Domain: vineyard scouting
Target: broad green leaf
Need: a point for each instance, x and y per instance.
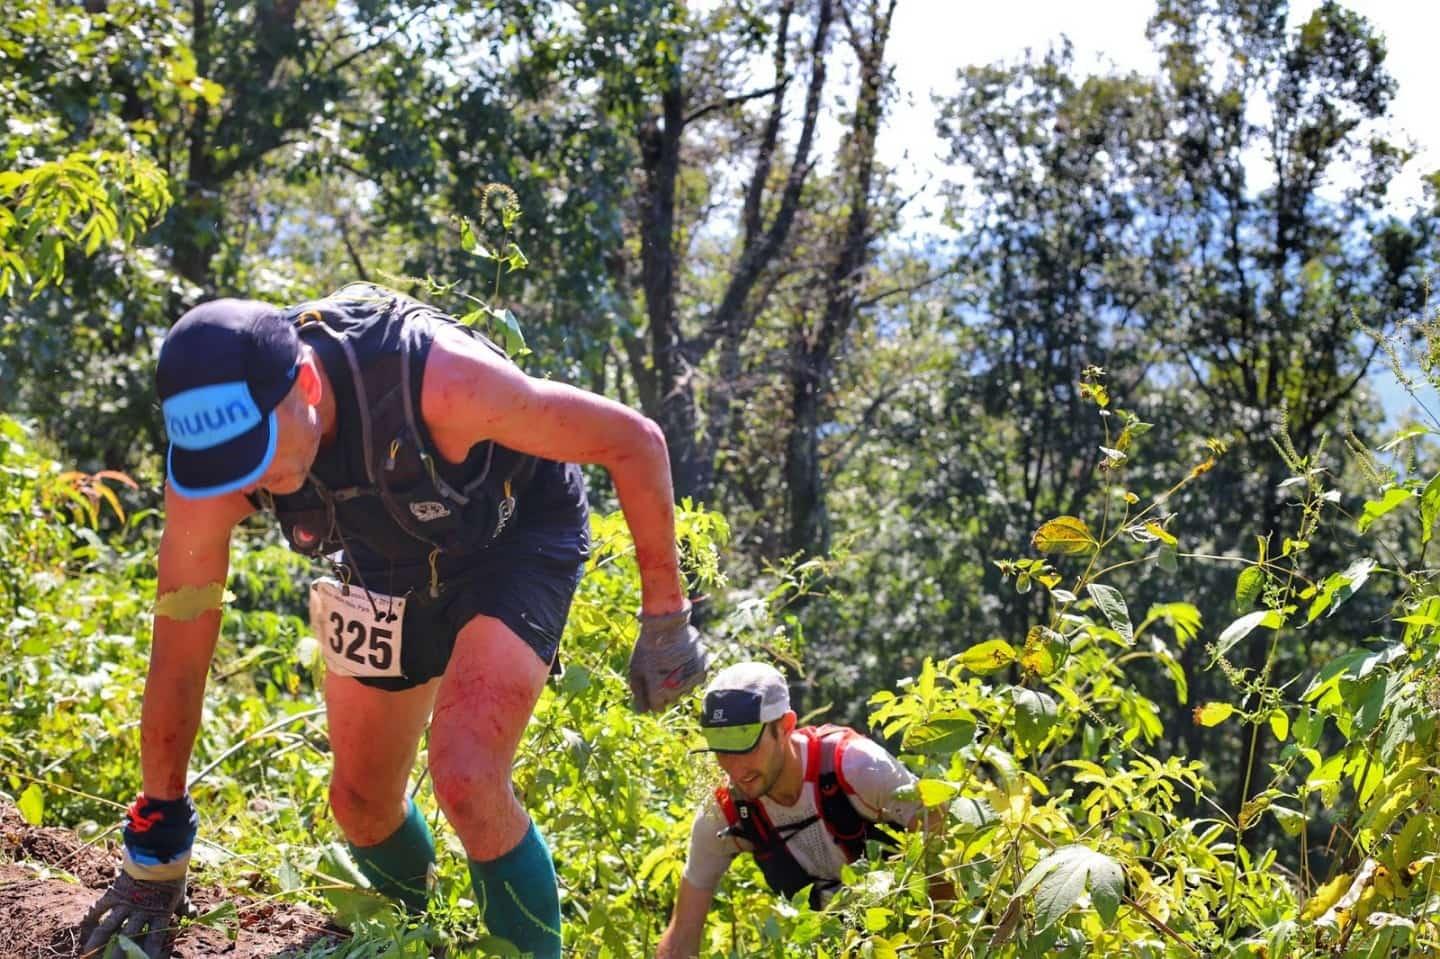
(1061, 878)
(1112, 604)
(973, 813)
(510, 329)
(32, 804)
(1067, 535)
(1374, 509)
(1184, 618)
(1213, 714)
(934, 792)
(1280, 724)
(941, 734)
(1429, 509)
(1244, 626)
(1338, 587)
(988, 656)
(1247, 587)
(1034, 716)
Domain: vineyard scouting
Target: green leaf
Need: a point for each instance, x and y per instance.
(1247, 587)
(1429, 509)
(129, 949)
(1338, 587)
(1061, 878)
(1067, 535)
(1035, 714)
(510, 330)
(1112, 604)
(973, 813)
(1374, 509)
(1244, 626)
(942, 734)
(1184, 618)
(1280, 724)
(988, 656)
(1213, 714)
(934, 792)
(32, 804)
(471, 244)
(494, 946)
(218, 916)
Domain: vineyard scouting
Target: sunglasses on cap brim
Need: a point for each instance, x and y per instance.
(740, 738)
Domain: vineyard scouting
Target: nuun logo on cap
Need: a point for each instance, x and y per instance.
(208, 416)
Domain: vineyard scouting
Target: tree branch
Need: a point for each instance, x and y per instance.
(735, 100)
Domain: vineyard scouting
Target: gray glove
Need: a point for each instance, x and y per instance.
(669, 659)
(136, 908)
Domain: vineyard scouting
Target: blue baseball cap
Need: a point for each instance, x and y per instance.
(223, 369)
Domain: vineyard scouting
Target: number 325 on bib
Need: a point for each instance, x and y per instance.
(355, 640)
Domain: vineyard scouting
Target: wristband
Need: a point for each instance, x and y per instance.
(159, 834)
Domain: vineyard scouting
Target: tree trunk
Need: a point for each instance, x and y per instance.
(813, 351)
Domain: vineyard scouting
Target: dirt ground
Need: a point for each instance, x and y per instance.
(39, 916)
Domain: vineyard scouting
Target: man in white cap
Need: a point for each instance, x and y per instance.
(803, 801)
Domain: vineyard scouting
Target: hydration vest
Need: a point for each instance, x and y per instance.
(380, 492)
(825, 749)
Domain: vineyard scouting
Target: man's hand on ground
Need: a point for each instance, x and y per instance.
(669, 660)
(143, 910)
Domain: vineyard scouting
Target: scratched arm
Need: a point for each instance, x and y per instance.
(469, 395)
(194, 561)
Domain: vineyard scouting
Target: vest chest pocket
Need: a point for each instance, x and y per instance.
(360, 636)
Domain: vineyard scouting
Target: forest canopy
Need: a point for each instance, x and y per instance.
(1081, 496)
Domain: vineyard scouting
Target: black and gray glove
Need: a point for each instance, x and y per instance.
(144, 910)
(669, 659)
(144, 900)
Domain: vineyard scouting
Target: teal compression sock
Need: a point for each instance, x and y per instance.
(400, 866)
(519, 898)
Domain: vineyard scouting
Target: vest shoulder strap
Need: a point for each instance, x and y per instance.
(825, 769)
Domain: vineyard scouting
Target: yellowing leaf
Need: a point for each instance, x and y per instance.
(1161, 533)
(933, 792)
(32, 804)
(191, 602)
(1213, 714)
(1325, 897)
(1280, 724)
(1067, 535)
(988, 656)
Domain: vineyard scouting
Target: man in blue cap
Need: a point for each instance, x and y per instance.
(439, 481)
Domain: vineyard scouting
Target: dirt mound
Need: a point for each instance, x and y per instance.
(40, 909)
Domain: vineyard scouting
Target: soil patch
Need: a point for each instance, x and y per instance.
(49, 878)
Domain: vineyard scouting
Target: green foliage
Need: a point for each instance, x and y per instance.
(79, 203)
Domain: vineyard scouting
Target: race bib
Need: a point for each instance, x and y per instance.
(355, 640)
